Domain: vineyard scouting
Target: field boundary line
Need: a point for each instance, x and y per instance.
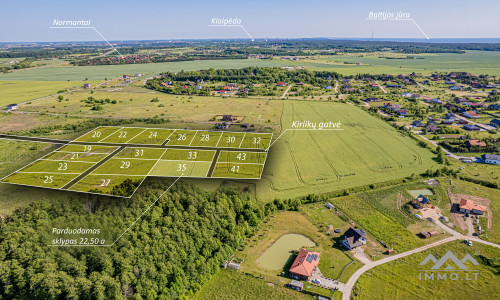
(136, 136)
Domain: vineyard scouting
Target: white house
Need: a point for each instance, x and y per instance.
(491, 159)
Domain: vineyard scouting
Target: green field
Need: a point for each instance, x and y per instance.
(181, 138)
(231, 140)
(142, 153)
(22, 91)
(76, 156)
(123, 135)
(87, 149)
(54, 166)
(206, 139)
(189, 155)
(256, 141)
(231, 285)
(109, 71)
(53, 181)
(152, 136)
(366, 151)
(125, 166)
(239, 156)
(173, 168)
(174, 107)
(237, 170)
(98, 134)
(103, 184)
(400, 279)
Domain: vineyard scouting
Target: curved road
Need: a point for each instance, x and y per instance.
(349, 285)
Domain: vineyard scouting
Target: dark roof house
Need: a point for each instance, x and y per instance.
(354, 238)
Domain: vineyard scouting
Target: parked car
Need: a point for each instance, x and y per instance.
(317, 281)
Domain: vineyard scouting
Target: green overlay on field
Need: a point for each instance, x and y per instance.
(115, 161)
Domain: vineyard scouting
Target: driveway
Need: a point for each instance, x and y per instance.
(326, 282)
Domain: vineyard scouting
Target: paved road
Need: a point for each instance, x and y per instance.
(381, 87)
(347, 288)
(286, 91)
(423, 86)
(448, 153)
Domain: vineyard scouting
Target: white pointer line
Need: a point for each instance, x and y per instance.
(396, 19)
(302, 129)
(130, 224)
(234, 26)
(80, 27)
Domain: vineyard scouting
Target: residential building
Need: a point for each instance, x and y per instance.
(491, 159)
(354, 238)
(469, 207)
(304, 264)
(475, 143)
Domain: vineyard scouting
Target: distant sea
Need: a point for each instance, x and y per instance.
(423, 40)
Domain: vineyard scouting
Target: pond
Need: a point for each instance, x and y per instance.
(276, 256)
(425, 192)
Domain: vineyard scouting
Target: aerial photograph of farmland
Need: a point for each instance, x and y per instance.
(235, 150)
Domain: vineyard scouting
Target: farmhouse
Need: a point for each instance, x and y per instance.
(470, 127)
(468, 207)
(421, 201)
(495, 123)
(403, 112)
(432, 128)
(304, 264)
(354, 238)
(228, 118)
(417, 123)
(491, 159)
(475, 143)
(471, 114)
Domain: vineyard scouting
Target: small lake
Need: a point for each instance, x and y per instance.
(278, 254)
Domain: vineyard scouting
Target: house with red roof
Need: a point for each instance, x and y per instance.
(468, 207)
(304, 264)
(475, 143)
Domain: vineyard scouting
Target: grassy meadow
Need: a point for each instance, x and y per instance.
(399, 279)
(12, 91)
(366, 151)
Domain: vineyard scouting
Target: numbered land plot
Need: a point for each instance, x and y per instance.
(125, 166)
(237, 170)
(231, 140)
(256, 141)
(176, 168)
(141, 153)
(53, 181)
(181, 138)
(189, 155)
(242, 157)
(123, 135)
(206, 139)
(116, 185)
(57, 167)
(96, 149)
(152, 136)
(76, 156)
(98, 134)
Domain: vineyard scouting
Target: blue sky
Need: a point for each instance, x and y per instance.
(29, 20)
